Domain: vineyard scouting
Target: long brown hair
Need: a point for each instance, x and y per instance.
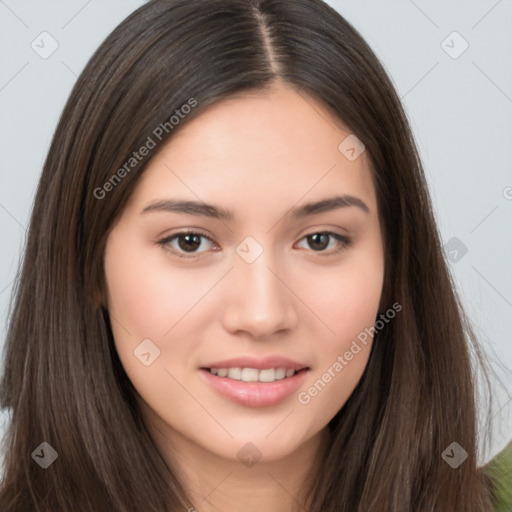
(63, 382)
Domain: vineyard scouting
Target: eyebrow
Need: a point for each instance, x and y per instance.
(217, 212)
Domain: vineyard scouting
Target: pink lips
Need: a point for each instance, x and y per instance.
(255, 394)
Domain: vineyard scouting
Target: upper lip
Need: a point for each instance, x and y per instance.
(259, 363)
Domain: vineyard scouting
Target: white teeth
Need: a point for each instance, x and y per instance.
(235, 373)
(267, 375)
(249, 375)
(280, 372)
(254, 375)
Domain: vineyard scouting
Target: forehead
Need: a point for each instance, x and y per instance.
(258, 147)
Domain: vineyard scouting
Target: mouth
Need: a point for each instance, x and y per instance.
(270, 383)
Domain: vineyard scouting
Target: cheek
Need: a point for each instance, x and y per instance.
(147, 297)
(148, 301)
(347, 303)
(346, 299)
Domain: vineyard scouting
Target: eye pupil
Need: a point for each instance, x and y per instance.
(189, 237)
(319, 240)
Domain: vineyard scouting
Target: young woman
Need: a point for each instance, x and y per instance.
(234, 295)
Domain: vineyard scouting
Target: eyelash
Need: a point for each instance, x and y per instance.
(343, 240)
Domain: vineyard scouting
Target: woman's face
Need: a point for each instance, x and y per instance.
(272, 285)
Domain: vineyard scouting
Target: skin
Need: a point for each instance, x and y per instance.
(259, 155)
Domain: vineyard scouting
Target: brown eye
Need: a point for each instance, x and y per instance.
(188, 242)
(320, 241)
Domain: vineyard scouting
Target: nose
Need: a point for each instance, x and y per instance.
(260, 300)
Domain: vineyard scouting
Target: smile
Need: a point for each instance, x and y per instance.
(255, 392)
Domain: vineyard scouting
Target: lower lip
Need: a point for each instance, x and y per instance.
(255, 394)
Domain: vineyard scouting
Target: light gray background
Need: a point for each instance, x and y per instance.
(460, 110)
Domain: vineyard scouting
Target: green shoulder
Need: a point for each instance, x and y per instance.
(499, 470)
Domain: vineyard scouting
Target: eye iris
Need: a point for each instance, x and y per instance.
(318, 240)
(194, 240)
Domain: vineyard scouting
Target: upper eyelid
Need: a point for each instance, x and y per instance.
(195, 231)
